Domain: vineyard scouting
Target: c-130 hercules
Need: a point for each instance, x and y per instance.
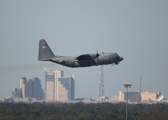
(84, 60)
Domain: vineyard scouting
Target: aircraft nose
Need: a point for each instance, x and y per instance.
(121, 58)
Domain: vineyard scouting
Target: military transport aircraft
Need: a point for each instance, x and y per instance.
(84, 60)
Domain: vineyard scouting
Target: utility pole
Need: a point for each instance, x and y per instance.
(127, 86)
(140, 88)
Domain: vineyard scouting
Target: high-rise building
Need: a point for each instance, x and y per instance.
(31, 88)
(37, 89)
(23, 81)
(49, 85)
(57, 87)
(66, 88)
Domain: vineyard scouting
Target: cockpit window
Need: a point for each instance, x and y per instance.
(115, 55)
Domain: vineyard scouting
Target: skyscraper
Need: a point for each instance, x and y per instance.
(57, 87)
(49, 85)
(31, 88)
(22, 86)
(66, 88)
(37, 89)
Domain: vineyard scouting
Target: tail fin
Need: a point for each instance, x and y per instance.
(45, 53)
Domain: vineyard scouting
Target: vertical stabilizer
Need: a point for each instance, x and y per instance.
(45, 53)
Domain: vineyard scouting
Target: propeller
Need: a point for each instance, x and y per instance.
(97, 54)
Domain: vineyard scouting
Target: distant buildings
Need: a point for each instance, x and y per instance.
(57, 87)
(143, 97)
(17, 93)
(62, 89)
(29, 88)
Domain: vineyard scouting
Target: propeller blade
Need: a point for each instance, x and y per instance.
(97, 53)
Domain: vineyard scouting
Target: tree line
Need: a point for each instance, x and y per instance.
(81, 111)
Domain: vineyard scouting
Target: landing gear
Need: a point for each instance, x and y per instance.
(116, 63)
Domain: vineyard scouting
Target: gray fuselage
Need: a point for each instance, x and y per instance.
(102, 59)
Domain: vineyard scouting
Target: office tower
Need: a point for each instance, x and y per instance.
(57, 87)
(24, 88)
(31, 88)
(66, 88)
(37, 89)
(49, 85)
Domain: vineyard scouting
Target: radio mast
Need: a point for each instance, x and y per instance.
(101, 85)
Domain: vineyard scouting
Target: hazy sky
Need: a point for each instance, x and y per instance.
(136, 30)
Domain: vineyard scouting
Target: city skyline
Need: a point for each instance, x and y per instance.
(55, 76)
(136, 30)
(57, 87)
(62, 88)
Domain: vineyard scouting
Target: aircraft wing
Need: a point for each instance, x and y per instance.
(85, 57)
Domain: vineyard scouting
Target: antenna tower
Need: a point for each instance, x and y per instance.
(101, 86)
